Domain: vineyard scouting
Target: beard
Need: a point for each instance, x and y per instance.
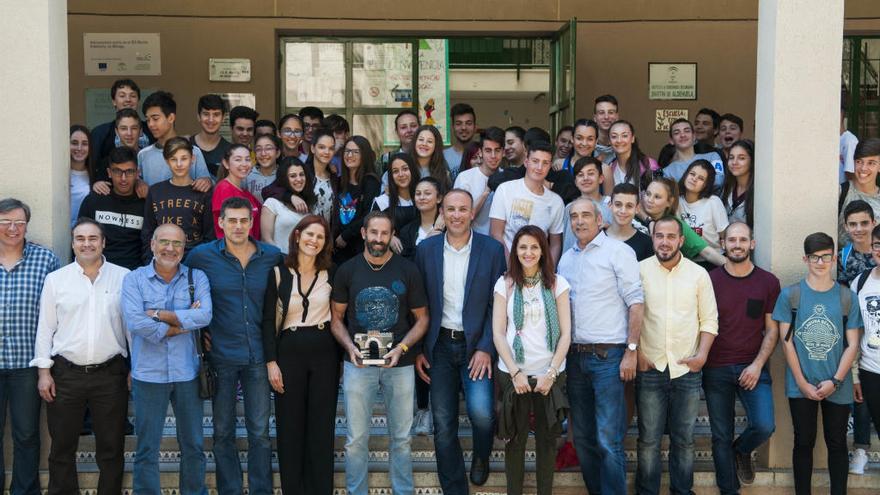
(739, 258)
(667, 257)
(377, 249)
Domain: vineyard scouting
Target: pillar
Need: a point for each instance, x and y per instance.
(35, 124)
(797, 133)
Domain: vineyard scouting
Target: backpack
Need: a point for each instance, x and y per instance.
(794, 298)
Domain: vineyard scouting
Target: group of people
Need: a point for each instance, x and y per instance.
(541, 278)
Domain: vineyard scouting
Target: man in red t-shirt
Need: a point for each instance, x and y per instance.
(736, 366)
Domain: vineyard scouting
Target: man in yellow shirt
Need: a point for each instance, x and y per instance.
(681, 321)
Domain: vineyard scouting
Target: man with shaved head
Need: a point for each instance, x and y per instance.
(164, 305)
(607, 306)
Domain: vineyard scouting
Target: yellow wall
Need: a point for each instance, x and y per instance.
(616, 41)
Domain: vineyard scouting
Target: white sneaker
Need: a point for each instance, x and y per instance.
(423, 423)
(858, 461)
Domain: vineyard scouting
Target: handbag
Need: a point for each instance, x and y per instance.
(207, 375)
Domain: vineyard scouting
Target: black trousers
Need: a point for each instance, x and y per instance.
(804, 413)
(871, 392)
(105, 392)
(305, 414)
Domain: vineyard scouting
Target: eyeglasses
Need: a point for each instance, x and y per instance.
(5, 224)
(267, 149)
(875, 246)
(131, 172)
(824, 258)
(351, 152)
(169, 242)
(291, 132)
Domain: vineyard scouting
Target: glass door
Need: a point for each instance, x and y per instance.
(562, 76)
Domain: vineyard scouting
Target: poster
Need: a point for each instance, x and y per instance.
(229, 69)
(122, 54)
(315, 74)
(99, 107)
(433, 91)
(664, 117)
(672, 81)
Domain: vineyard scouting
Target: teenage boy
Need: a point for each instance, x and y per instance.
(587, 178)
(855, 257)
(514, 148)
(605, 113)
(737, 364)
(476, 180)
(464, 126)
(128, 130)
(528, 201)
(211, 109)
(864, 185)
(819, 329)
(624, 205)
(120, 212)
(730, 131)
(263, 126)
(161, 111)
(867, 387)
(313, 119)
(124, 93)
(405, 124)
(706, 126)
(681, 136)
(341, 132)
(243, 123)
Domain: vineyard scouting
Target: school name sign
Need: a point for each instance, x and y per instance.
(672, 81)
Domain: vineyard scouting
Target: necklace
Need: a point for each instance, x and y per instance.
(373, 267)
(532, 281)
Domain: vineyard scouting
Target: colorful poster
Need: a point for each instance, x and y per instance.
(433, 91)
(122, 54)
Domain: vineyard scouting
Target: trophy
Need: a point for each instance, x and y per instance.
(373, 345)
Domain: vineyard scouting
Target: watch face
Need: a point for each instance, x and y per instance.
(632, 347)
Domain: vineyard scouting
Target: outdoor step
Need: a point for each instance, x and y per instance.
(567, 483)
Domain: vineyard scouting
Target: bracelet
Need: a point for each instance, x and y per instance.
(514, 375)
(403, 347)
(554, 371)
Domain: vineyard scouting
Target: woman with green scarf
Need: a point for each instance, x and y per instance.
(531, 326)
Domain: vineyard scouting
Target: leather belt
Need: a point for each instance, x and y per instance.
(89, 368)
(452, 334)
(319, 326)
(600, 350)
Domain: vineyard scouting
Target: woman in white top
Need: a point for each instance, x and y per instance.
(630, 164)
(302, 359)
(698, 207)
(80, 170)
(531, 327)
(280, 215)
(738, 192)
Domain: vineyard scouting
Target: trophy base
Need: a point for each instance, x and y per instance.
(372, 362)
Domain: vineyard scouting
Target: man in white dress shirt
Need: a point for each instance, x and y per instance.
(80, 352)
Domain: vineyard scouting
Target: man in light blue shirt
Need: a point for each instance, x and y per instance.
(607, 304)
(681, 135)
(163, 316)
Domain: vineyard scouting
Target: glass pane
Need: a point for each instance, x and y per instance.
(565, 75)
(370, 127)
(382, 74)
(314, 74)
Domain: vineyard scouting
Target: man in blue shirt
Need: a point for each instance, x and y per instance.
(164, 317)
(238, 268)
(24, 268)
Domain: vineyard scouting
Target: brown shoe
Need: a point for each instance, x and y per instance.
(745, 468)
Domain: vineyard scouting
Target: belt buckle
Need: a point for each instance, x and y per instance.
(321, 326)
(456, 334)
(90, 367)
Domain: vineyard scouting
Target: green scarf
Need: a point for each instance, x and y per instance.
(551, 318)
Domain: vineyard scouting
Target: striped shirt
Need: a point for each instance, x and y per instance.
(20, 290)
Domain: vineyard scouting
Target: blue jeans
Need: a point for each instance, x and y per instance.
(449, 374)
(598, 412)
(721, 386)
(359, 386)
(150, 405)
(18, 389)
(661, 400)
(255, 384)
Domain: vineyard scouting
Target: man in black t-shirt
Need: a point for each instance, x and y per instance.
(121, 212)
(379, 291)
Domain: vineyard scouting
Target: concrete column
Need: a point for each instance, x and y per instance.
(797, 132)
(36, 123)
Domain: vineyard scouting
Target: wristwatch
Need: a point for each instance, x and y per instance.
(632, 346)
(836, 383)
(155, 316)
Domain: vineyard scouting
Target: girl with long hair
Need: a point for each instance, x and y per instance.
(428, 153)
(738, 193)
(398, 201)
(630, 164)
(698, 207)
(236, 167)
(357, 190)
(80, 170)
(279, 215)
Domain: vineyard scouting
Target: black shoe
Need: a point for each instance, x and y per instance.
(479, 471)
(129, 428)
(745, 468)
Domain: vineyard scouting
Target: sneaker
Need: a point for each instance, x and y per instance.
(858, 461)
(423, 423)
(745, 468)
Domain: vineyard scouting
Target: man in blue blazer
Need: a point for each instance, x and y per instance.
(460, 269)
